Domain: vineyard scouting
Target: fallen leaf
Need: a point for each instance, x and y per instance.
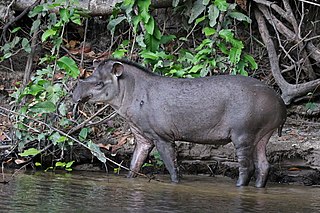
(294, 169)
(19, 161)
(58, 76)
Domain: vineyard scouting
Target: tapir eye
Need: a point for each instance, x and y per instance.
(99, 84)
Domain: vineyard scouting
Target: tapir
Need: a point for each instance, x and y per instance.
(209, 110)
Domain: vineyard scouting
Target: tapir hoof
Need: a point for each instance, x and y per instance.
(131, 175)
(261, 182)
(242, 181)
(175, 178)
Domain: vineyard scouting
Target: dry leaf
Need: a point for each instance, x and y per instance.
(19, 161)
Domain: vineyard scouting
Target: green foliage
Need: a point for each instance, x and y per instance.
(43, 98)
(157, 163)
(218, 50)
(61, 165)
(29, 152)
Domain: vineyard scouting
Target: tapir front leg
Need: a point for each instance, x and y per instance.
(141, 151)
(168, 154)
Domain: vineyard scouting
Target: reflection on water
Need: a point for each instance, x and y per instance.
(98, 192)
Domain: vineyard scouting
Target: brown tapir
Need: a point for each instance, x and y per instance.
(209, 110)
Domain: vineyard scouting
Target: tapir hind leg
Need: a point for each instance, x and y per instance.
(244, 151)
(141, 151)
(261, 163)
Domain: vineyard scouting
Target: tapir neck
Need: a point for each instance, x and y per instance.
(126, 85)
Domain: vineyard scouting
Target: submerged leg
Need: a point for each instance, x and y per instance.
(167, 153)
(261, 163)
(141, 151)
(244, 151)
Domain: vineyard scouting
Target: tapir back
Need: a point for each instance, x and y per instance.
(207, 109)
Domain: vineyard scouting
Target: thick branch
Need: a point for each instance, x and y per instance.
(290, 35)
(277, 24)
(289, 91)
(313, 51)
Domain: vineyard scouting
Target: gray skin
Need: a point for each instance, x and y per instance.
(210, 110)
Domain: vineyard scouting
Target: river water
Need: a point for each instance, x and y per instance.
(98, 192)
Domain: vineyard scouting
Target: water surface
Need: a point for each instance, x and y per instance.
(98, 192)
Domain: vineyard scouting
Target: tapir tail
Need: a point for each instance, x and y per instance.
(280, 129)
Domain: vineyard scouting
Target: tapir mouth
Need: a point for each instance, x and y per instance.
(86, 98)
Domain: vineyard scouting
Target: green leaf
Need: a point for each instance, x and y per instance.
(29, 152)
(223, 48)
(83, 134)
(43, 107)
(208, 31)
(175, 3)
(60, 164)
(221, 4)
(7, 55)
(213, 14)
(15, 41)
(48, 33)
(151, 42)
(201, 19)
(51, 167)
(226, 34)
(195, 68)
(157, 33)
(35, 26)
(63, 109)
(127, 5)
(196, 10)
(25, 45)
(234, 55)
(167, 38)
(135, 22)
(311, 105)
(205, 2)
(150, 26)
(240, 16)
(119, 53)
(16, 29)
(149, 55)
(69, 164)
(55, 137)
(37, 164)
(34, 89)
(114, 22)
(204, 71)
(69, 65)
(64, 14)
(76, 18)
(41, 136)
(95, 150)
(251, 61)
(36, 10)
(144, 10)
(140, 41)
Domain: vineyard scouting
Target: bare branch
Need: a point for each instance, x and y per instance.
(289, 91)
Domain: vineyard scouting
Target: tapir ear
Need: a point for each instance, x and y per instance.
(117, 69)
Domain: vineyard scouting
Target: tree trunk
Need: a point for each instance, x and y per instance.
(94, 7)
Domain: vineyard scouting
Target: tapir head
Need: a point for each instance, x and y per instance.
(102, 85)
